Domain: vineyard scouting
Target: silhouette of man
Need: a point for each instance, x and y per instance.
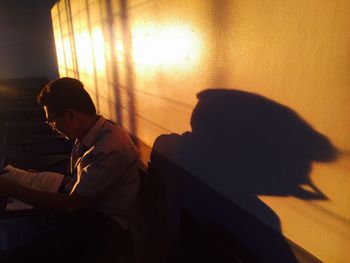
(98, 200)
(241, 145)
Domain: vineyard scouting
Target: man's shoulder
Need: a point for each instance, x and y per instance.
(111, 132)
(112, 137)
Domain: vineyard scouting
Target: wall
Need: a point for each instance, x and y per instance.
(26, 40)
(143, 62)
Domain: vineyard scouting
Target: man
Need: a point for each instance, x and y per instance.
(99, 200)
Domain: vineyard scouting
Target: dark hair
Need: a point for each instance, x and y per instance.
(66, 93)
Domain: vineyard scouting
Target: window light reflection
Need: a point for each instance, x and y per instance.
(99, 50)
(68, 52)
(84, 52)
(164, 46)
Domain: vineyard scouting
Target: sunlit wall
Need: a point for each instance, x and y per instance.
(143, 62)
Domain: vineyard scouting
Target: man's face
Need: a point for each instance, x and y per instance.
(60, 122)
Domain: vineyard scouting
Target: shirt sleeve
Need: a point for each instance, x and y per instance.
(99, 171)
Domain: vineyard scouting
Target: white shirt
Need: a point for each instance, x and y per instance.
(107, 173)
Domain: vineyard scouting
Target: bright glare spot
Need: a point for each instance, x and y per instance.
(99, 50)
(119, 48)
(167, 46)
(68, 52)
(84, 52)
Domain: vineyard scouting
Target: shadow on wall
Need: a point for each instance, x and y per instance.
(242, 145)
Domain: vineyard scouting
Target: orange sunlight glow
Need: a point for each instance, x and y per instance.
(68, 53)
(84, 52)
(171, 45)
(99, 50)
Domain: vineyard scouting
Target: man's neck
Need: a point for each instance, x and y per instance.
(87, 123)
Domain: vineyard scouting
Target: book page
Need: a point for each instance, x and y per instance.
(42, 181)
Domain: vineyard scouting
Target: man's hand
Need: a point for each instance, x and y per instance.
(55, 202)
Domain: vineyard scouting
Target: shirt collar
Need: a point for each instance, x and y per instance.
(89, 138)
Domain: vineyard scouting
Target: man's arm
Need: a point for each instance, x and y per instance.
(54, 202)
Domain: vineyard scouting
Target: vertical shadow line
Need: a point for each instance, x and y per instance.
(129, 67)
(72, 39)
(115, 73)
(93, 54)
(63, 48)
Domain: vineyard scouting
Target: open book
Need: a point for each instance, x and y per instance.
(43, 181)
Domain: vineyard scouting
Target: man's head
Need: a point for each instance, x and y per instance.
(68, 106)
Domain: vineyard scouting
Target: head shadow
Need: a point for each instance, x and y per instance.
(244, 145)
(256, 146)
(241, 145)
